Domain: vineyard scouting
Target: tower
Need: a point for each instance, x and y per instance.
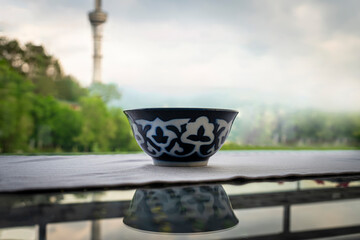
(97, 18)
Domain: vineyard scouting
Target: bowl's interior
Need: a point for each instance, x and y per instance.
(166, 114)
(178, 112)
(180, 109)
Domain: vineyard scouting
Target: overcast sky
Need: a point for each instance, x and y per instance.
(304, 50)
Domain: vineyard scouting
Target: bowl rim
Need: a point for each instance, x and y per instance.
(167, 109)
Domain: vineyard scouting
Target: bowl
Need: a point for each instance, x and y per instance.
(186, 209)
(180, 136)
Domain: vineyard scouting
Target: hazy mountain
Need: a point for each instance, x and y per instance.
(255, 121)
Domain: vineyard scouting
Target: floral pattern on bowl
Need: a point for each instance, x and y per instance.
(192, 138)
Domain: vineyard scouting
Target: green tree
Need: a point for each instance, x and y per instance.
(356, 129)
(107, 92)
(123, 139)
(98, 128)
(42, 69)
(43, 112)
(15, 105)
(66, 127)
(69, 89)
(57, 124)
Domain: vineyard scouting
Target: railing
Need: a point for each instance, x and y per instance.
(44, 214)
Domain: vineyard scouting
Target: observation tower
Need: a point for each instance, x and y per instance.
(97, 19)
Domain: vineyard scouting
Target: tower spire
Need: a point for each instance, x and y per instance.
(97, 18)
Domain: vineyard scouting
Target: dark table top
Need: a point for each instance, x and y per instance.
(297, 208)
(34, 173)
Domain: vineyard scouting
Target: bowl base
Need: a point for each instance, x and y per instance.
(180, 164)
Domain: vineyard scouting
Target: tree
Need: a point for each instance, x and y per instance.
(42, 69)
(66, 127)
(43, 112)
(98, 128)
(123, 139)
(107, 92)
(15, 105)
(67, 88)
(42, 109)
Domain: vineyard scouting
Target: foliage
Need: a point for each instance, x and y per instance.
(306, 127)
(103, 129)
(42, 69)
(66, 127)
(56, 124)
(107, 92)
(69, 89)
(123, 139)
(230, 146)
(98, 129)
(15, 104)
(41, 109)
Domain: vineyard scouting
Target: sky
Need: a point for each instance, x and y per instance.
(292, 52)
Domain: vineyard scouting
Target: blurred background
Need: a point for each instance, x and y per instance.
(291, 69)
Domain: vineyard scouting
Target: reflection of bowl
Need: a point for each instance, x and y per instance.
(181, 210)
(180, 136)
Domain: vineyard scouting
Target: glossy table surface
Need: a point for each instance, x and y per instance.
(29, 173)
(297, 208)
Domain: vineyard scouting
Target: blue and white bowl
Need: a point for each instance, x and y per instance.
(180, 136)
